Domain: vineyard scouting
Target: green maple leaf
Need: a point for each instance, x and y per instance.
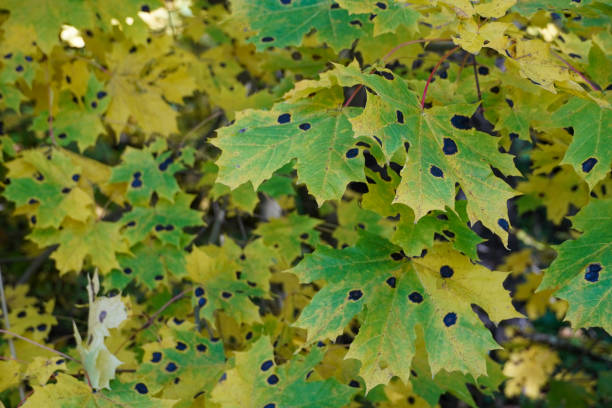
(431, 387)
(294, 19)
(440, 152)
(76, 123)
(17, 66)
(165, 221)
(589, 153)
(581, 270)
(262, 383)
(182, 364)
(98, 240)
(389, 15)
(286, 235)
(147, 174)
(414, 237)
(54, 190)
(312, 130)
(220, 284)
(434, 293)
(68, 392)
(151, 263)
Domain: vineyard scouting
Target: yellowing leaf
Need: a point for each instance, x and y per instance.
(99, 241)
(529, 370)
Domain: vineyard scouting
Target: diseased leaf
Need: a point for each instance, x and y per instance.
(581, 270)
(266, 384)
(434, 293)
(589, 152)
(311, 130)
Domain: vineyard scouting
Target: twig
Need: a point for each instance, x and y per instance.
(465, 57)
(216, 228)
(199, 125)
(8, 327)
(350, 98)
(39, 260)
(571, 67)
(383, 59)
(39, 345)
(405, 44)
(477, 82)
(151, 319)
(444, 57)
(50, 94)
(556, 342)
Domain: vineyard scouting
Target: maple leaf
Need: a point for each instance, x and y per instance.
(286, 235)
(580, 271)
(138, 94)
(99, 241)
(441, 149)
(182, 364)
(430, 387)
(46, 18)
(266, 384)
(152, 263)
(76, 123)
(220, 284)
(49, 188)
(589, 152)
(146, 174)
(311, 130)
(434, 293)
(68, 392)
(165, 221)
(294, 19)
(529, 370)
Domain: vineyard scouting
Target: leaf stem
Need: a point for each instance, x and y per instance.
(571, 67)
(444, 57)
(8, 326)
(474, 64)
(407, 43)
(39, 345)
(387, 55)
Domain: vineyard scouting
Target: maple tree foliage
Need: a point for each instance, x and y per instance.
(305, 203)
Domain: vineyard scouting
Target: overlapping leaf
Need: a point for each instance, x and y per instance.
(263, 383)
(433, 293)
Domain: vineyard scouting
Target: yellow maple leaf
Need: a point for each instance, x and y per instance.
(529, 370)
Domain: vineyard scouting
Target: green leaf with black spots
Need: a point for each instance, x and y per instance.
(414, 237)
(182, 363)
(434, 293)
(294, 19)
(146, 174)
(352, 219)
(581, 271)
(286, 235)
(442, 149)
(48, 187)
(151, 263)
(75, 122)
(589, 153)
(165, 221)
(264, 384)
(219, 284)
(431, 387)
(69, 392)
(312, 130)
